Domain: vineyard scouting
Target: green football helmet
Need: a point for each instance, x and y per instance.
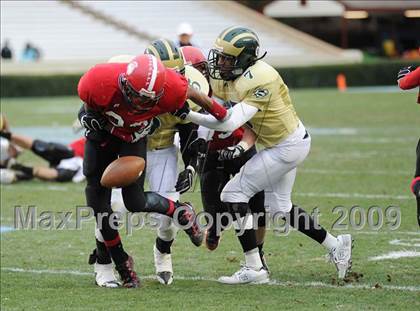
(168, 53)
(235, 49)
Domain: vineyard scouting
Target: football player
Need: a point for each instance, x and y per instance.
(409, 78)
(163, 154)
(217, 168)
(120, 103)
(263, 103)
(65, 161)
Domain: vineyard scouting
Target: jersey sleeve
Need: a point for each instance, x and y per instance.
(97, 86)
(411, 80)
(175, 95)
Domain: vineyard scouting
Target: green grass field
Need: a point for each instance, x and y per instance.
(363, 153)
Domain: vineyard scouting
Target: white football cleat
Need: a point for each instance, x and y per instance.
(246, 275)
(341, 255)
(105, 276)
(163, 265)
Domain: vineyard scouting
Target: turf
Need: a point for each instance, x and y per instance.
(363, 153)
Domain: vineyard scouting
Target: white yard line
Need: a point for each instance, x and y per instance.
(353, 195)
(355, 172)
(199, 278)
(395, 255)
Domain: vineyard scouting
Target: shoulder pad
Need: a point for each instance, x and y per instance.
(258, 74)
(197, 81)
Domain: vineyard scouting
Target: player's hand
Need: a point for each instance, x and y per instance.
(198, 147)
(5, 134)
(182, 112)
(404, 71)
(93, 121)
(185, 180)
(230, 153)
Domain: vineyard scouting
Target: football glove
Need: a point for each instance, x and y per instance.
(404, 71)
(5, 134)
(230, 153)
(182, 112)
(185, 180)
(198, 147)
(93, 121)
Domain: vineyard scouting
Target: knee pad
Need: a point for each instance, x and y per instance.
(245, 220)
(65, 175)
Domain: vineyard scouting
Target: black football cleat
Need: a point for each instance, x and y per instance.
(187, 217)
(212, 242)
(127, 274)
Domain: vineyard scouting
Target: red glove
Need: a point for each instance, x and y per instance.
(217, 110)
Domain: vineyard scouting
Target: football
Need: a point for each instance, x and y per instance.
(123, 172)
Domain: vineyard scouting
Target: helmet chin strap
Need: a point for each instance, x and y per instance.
(261, 57)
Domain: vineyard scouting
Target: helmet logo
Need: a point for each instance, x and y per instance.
(131, 67)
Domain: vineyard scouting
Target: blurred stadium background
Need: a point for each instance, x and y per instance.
(340, 36)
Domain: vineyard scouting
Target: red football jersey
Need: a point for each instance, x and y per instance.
(222, 140)
(99, 89)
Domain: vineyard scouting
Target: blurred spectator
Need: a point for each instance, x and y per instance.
(185, 33)
(30, 53)
(389, 48)
(6, 52)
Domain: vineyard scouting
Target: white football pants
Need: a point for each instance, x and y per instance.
(272, 170)
(161, 174)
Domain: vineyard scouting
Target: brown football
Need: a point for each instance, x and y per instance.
(122, 172)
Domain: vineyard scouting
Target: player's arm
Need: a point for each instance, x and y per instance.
(238, 116)
(195, 150)
(91, 119)
(408, 78)
(207, 103)
(248, 140)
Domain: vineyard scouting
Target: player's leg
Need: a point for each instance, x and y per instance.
(162, 174)
(257, 207)
(136, 200)
(279, 203)
(256, 203)
(97, 158)
(212, 181)
(50, 151)
(415, 184)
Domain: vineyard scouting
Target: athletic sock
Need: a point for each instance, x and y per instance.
(163, 246)
(102, 254)
(330, 241)
(302, 221)
(260, 247)
(248, 240)
(116, 250)
(253, 259)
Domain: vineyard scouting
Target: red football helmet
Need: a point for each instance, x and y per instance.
(194, 56)
(142, 83)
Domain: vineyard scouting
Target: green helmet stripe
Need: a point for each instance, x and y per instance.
(232, 33)
(162, 49)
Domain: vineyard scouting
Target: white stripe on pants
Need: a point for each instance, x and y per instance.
(272, 170)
